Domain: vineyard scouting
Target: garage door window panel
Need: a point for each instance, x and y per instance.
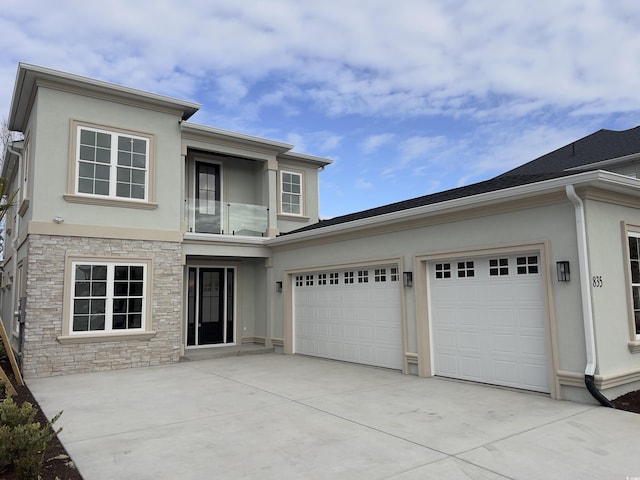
(527, 265)
(466, 269)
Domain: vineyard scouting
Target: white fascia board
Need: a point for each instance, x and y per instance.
(241, 138)
(603, 179)
(605, 163)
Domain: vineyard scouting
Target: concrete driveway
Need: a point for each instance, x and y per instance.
(277, 416)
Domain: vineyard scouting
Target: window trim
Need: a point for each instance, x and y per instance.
(72, 194)
(634, 337)
(281, 192)
(144, 333)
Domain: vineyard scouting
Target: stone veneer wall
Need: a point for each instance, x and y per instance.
(44, 356)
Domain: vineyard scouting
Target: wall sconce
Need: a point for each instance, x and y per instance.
(279, 287)
(407, 279)
(564, 274)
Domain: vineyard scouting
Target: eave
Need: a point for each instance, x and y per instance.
(30, 77)
(598, 179)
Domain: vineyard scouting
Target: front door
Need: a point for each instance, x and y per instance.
(208, 207)
(210, 316)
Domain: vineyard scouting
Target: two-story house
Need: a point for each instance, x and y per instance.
(139, 237)
(136, 234)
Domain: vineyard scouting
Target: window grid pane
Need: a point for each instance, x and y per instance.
(108, 297)
(112, 165)
(291, 193)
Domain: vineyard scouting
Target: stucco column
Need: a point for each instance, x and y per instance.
(271, 193)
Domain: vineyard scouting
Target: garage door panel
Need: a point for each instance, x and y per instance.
(504, 343)
(471, 367)
(358, 322)
(490, 327)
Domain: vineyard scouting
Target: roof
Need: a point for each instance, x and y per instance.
(498, 183)
(595, 148)
(591, 150)
(29, 77)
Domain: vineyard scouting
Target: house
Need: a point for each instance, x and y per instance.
(136, 234)
(139, 237)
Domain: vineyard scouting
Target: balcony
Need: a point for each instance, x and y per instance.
(225, 218)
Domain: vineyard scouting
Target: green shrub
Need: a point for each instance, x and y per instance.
(22, 440)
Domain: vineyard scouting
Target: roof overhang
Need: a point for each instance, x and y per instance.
(294, 156)
(226, 136)
(30, 77)
(598, 179)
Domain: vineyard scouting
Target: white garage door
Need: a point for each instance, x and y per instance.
(488, 320)
(350, 315)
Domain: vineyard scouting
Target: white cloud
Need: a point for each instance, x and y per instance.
(362, 184)
(374, 142)
(458, 87)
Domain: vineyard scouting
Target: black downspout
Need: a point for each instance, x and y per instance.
(591, 386)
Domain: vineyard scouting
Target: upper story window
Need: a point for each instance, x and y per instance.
(112, 164)
(291, 193)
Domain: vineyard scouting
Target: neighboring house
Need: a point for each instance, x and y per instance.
(139, 236)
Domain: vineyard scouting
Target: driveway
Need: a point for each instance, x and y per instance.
(292, 417)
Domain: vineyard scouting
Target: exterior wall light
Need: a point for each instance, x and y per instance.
(279, 287)
(564, 274)
(58, 219)
(407, 279)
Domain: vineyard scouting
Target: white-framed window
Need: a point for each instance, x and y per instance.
(291, 193)
(348, 277)
(299, 281)
(634, 259)
(334, 278)
(309, 280)
(443, 270)
(363, 276)
(107, 297)
(380, 275)
(498, 267)
(527, 265)
(393, 272)
(111, 164)
(466, 269)
(322, 279)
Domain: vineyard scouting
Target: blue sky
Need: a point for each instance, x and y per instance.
(408, 97)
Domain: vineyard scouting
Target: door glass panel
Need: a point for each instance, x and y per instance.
(191, 307)
(208, 211)
(230, 304)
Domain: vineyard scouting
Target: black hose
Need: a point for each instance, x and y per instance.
(593, 390)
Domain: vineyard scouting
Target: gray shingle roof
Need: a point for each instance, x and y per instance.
(599, 146)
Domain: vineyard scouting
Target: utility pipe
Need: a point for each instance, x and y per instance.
(587, 308)
(14, 243)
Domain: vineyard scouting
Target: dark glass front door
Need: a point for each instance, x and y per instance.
(210, 316)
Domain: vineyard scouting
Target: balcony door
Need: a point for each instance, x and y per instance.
(210, 315)
(208, 212)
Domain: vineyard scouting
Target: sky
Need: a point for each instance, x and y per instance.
(407, 97)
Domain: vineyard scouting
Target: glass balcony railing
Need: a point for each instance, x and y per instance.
(224, 218)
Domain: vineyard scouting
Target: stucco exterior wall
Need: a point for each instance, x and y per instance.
(52, 153)
(551, 225)
(607, 245)
(45, 356)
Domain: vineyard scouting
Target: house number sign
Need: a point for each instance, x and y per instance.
(596, 281)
